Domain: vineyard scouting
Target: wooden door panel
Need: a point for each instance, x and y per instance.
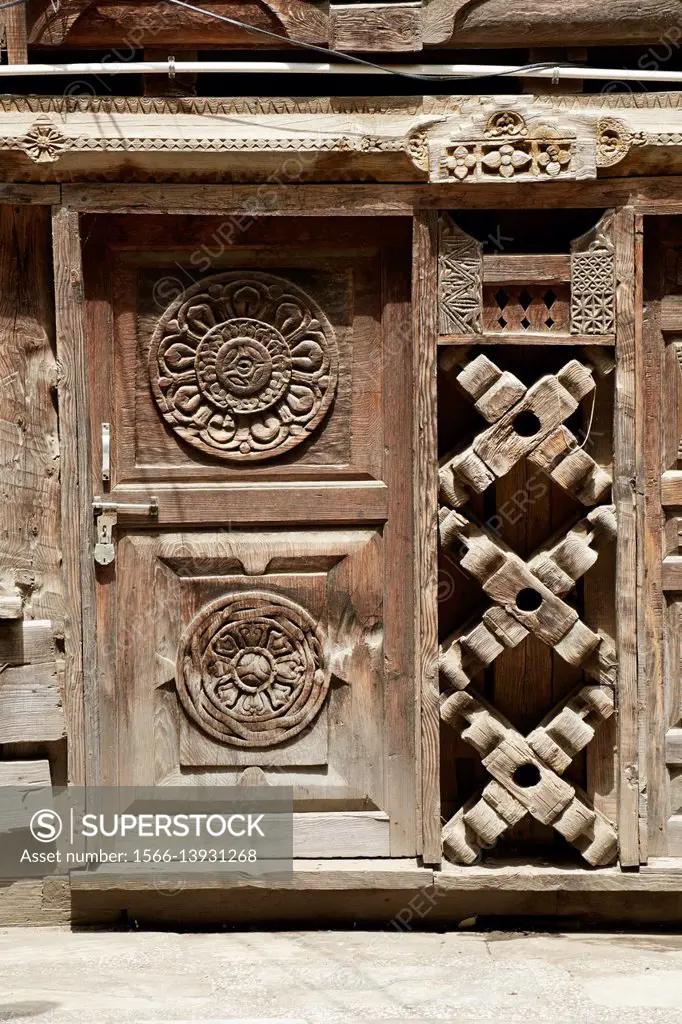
(262, 621)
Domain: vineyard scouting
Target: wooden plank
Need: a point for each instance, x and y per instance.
(521, 268)
(80, 699)
(20, 194)
(11, 607)
(653, 195)
(649, 376)
(31, 705)
(526, 338)
(376, 27)
(671, 313)
(671, 488)
(348, 502)
(671, 573)
(626, 559)
(15, 34)
(674, 836)
(308, 876)
(27, 643)
(342, 834)
(425, 462)
(30, 561)
(28, 774)
(401, 702)
(539, 878)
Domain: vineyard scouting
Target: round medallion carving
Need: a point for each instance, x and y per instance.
(252, 669)
(243, 367)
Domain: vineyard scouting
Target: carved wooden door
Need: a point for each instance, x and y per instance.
(255, 376)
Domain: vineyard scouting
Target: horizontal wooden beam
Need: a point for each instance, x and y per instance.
(336, 502)
(671, 313)
(31, 704)
(28, 642)
(673, 746)
(526, 338)
(29, 774)
(671, 488)
(672, 573)
(522, 268)
(350, 200)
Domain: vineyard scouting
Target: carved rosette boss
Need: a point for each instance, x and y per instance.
(252, 670)
(243, 365)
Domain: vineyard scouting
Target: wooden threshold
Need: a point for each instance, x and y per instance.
(525, 338)
(662, 875)
(375, 873)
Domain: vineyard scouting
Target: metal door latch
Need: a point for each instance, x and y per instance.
(106, 517)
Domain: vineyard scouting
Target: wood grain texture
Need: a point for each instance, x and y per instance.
(31, 704)
(28, 643)
(14, 19)
(29, 450)
(624, 489)
(425, 462)
(28, 774)
(504, 23)
(342, 834)
(389, 27)
(76, 514)
(525, 338)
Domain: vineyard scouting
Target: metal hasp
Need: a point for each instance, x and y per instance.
(106, 517)
(106, 452)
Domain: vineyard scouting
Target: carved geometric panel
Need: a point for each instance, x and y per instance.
(460, 280)
(592, 292)
(252, 669)
(243, 365)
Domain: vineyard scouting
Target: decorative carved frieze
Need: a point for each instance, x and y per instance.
(252, 669)
(243, 366)
(508, 148)
(460, 280)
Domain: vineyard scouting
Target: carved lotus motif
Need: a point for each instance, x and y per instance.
(252, 669)
(243, 366)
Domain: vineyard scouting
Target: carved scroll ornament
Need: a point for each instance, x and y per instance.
(243, 366)
(252, 670)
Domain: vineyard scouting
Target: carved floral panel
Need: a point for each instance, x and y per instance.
(252, 669)
(243, 365)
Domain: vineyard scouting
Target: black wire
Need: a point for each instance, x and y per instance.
(367, 63)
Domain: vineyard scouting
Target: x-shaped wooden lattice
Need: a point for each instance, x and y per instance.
(525, 422)
(526, 772)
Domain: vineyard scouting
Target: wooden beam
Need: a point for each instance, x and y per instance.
(671, 313)
(28, 774)
(15, 34)
(526, 338)
(376, 27)
(523, 268)
(31, 705)
(81, 697)
(362, 200)
(29, 642)
(425, 462)
(626, 559)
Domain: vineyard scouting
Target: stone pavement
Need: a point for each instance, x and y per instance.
(54, 976)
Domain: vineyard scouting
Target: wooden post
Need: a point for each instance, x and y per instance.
(624, 486)
(425, 313)
(82, 701)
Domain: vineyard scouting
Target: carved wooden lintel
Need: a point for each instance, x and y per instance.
(474, 140)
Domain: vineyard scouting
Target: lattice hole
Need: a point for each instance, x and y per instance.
(526, 307)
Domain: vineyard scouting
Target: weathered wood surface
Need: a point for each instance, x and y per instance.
(31, 704)
(389, 27)
(627, 567)
(499, 23)
(27, 774)
(425, 486)
(76, 495)
(30, 585)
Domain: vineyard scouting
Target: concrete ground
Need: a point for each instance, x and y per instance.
(55, 976)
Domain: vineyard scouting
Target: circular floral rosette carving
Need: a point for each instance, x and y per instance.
(252, 669)
(243, 365)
